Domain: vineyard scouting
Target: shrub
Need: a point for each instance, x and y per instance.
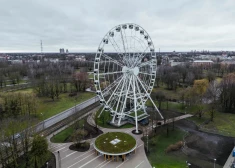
(174, 147)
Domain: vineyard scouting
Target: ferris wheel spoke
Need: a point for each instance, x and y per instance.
(127, 46)
(116, 47)
(113, 60)
(141, 56)
(119, 99)
(145, 73)
(115, 89)
(145, 63)
(113, 84)
(124, 102)
(146, 86)
(140, 42)
(149, 96)
(123, 43)
(140, 93)
(110, 73)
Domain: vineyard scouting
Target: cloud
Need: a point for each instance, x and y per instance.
(80, 25)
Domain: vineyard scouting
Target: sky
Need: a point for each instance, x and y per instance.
(80, 25)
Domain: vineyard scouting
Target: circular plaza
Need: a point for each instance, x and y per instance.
(114, 145)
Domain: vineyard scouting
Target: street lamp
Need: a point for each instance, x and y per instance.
(42, 121)
(185, 109)
(214, 162)
(47, 164)
(147, 143)
(83, 131)
(59, 159)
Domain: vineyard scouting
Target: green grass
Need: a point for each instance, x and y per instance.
(171, 94)
(138, 113)
(63, 135)
(29, 90)
(157, 155)
(105, 117)
(50, 108)
(223, 122)
(127, 142)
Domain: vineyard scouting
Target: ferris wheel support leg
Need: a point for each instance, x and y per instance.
(101, 112)
(143, 105)
(124, 83)
(124, 102)
(136, 118)
(149, 97)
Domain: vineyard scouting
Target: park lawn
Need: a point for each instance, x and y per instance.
(29, 90)
(49, 108)
(223, 124)
(157, 155)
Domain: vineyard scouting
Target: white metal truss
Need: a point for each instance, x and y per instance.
(125, 71)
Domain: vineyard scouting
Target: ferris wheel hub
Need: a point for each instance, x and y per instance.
(134, 71)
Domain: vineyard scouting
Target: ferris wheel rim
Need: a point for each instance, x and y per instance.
(152, 77)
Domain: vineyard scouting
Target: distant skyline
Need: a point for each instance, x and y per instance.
(80, 25)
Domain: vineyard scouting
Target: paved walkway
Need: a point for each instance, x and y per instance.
(88, 159)
(67, 158)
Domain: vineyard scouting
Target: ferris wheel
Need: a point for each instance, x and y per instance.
(124, 73)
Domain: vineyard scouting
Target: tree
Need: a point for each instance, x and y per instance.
(39, 150)
(199, 89)
(78, 136)
(213, 92)
(210, 76)
(160, 97)
(227, 96)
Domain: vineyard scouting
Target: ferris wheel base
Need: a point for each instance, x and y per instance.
(136, 132)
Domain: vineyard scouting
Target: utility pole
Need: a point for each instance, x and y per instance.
(41, 47)
(147, 143)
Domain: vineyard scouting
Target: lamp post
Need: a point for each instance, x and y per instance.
(214, 162)
(42, 121)
(59, 159)
(185, 109)
(47, 164)
(147, 143)
(83, 131)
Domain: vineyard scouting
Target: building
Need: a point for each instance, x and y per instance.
(67, 51)
(61, 50)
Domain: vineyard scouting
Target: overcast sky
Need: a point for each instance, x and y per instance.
(80, 25)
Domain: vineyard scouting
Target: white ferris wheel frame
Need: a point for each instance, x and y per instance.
(132, 80)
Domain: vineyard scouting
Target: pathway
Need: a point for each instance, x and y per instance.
(67, 158)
